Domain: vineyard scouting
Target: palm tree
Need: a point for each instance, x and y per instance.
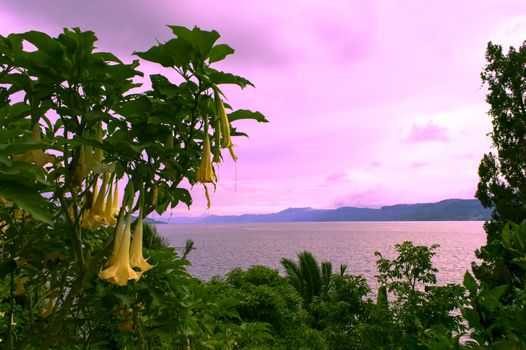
(307, 277)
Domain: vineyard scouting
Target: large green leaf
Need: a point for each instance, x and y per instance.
(135, 109)
(17, 81)
(520, 262)
(96, 116)
(491, 300)
(17, 148)
(44, 43)
(107, 56)
(179, 50)
(246, 114)
(5, 161)
(470, 283)
(156, 54)
(16, 111)
(219, 77)
(26, 198)
(23, 172)
(219, 52)
(180, 195)
(161, 84)
(201, 40)
(182, 32)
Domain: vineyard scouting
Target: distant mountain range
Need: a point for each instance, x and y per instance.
(446, 210)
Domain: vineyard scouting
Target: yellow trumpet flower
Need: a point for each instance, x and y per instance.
(101, 209)
(98, 207)
(81, 170)
(36, 156)
(169, 141)
(88, 220)
(120, 271)
(217, 142)
(49, 310)
(223, 120)
(21, 286)
(207, 195)
(4, 201)
(223, 127)
(96, 154)
(205, 172)
(109, 215)
(136, 257)
(3, 226)
(115, 205)
(119, 232)
(155, 195)
(232, 154)
(169, 145)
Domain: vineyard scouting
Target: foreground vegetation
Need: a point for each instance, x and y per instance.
(73, 272)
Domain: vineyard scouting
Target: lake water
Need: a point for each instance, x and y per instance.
(220, 248)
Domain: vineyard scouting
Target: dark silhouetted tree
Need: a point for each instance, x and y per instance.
(502, 172)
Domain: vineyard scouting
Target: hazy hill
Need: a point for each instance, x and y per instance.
(446, 210)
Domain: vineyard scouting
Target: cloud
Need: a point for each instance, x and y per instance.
(373, 197)
(337, 177)
(419, 164)
(428, 132)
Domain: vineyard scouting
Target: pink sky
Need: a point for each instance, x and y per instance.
(370, 102)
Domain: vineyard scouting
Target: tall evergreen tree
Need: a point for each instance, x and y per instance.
(502, 172)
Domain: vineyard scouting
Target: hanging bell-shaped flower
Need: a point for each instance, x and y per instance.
(119, 232)
(217, 142)
(21, 286)
(109, 216)
(89, 220)
(98, 207)
(120, 270)
(232, 154)
(49, 309)
(223, 120)
(36, 156)
(136, 257)
(155, 195)
(81, 170)
(97, 154)
(205, 172)
(115, 205)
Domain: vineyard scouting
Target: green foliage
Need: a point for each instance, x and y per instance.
(307, 277)
(265, 296)
(502, 186)
(411, 269)
(419, 310)
(497, 314)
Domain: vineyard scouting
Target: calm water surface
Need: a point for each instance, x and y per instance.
(220, 248)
